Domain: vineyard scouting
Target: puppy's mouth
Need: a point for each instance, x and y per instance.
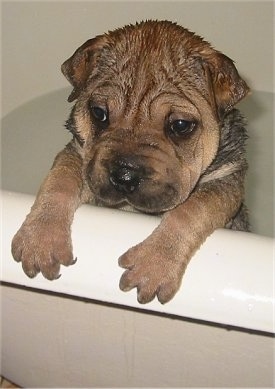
(128, 181)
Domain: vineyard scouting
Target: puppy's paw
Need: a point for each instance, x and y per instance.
(43, 246)
(153, 269)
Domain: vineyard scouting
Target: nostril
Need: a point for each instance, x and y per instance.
(125, 179)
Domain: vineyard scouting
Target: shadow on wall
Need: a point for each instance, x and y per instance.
(34, 133)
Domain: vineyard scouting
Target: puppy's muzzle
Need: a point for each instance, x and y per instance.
(125, 175)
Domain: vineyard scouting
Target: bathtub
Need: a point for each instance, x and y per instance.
(82, 331)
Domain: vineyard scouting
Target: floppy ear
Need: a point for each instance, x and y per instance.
(228, 88)
(78, 67)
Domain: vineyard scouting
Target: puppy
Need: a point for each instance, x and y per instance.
(153, 128)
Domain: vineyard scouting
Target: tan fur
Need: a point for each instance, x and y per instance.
(145, 77)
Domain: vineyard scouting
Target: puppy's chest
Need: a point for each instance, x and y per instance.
(122, 207)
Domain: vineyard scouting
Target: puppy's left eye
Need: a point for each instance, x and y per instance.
(181, 127)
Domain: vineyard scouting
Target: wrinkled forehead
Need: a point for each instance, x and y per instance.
(146, 75)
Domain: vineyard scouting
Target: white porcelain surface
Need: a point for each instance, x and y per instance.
(229, 280)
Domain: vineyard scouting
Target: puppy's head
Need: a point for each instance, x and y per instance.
(149, 98)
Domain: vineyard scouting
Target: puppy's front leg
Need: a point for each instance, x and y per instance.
(44, 240)
(156, 266)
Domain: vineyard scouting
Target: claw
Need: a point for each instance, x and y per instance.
(74, 261)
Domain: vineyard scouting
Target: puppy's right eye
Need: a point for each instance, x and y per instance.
(99, 114)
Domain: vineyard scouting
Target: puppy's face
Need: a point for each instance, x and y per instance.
(150, 99)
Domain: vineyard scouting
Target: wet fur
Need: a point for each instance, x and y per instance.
(145, 76)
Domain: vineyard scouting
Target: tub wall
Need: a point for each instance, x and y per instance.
(58, 342)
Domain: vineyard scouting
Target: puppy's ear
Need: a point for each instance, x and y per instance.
(228, 88)
(78, 67)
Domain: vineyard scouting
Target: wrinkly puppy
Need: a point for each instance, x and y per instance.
(153, 128)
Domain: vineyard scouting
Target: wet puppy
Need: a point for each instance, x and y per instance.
(153, 128)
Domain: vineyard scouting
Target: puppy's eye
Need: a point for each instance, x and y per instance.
(99, 114)
(181, 127)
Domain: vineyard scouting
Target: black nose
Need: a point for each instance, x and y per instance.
(125, 176)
